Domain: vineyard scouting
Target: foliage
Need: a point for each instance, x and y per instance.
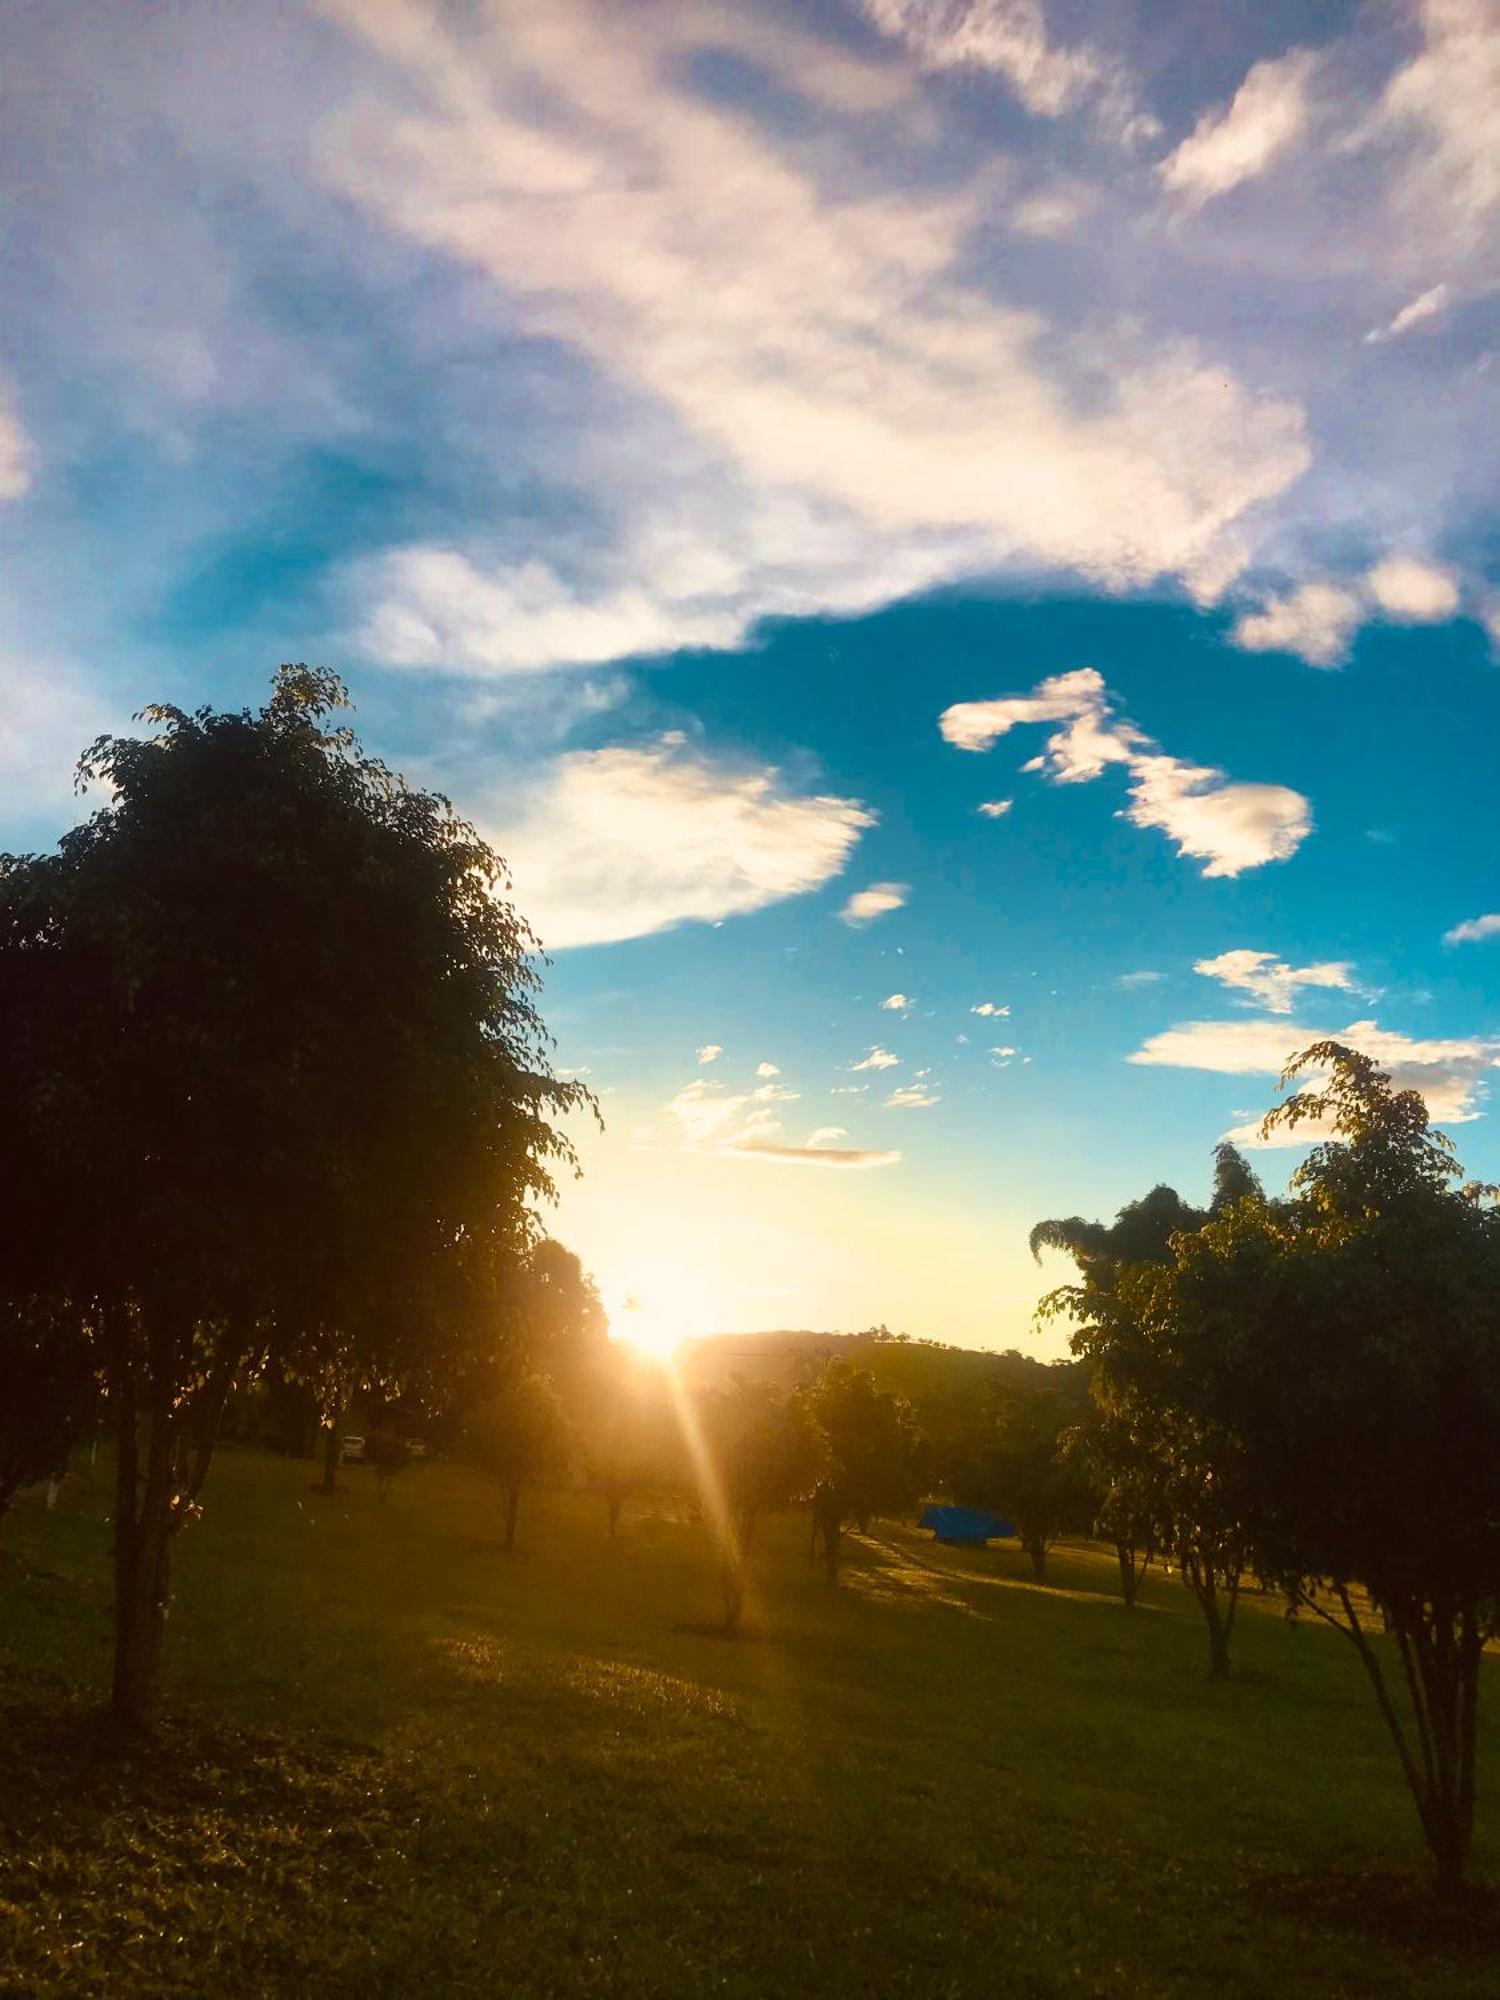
(567, 1329)
(519, 1437)
(874, 1463)
(1018, 1464)
(762, 1452)
(633, 1436)
(283, 1090)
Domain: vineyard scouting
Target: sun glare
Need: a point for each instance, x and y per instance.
(656, 1319)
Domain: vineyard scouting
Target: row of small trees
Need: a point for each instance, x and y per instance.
(1307, 1391)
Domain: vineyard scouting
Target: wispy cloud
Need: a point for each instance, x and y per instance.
(710, 1052)
(1418, 312)
(1228, 825)
(911, 1097)
(876, 1058)
(1268, 981)
(1131, 981)
(897, 1003)
(1265, 118)
(994, 808)
(1474, 930)
(865, 905)
(989, 1010)
(621, 842)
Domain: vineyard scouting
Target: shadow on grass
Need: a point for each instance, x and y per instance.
(116, 1851)
(1401, 1911)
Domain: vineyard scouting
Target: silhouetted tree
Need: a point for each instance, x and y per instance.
(567, 1328)
(1349, 1344)
(764, 1452)
(632, 1438)
(872, 1462)
(519, 1437)
(285, 1092)
(1017, 1464)
(389, 1455)
(1123, 1467)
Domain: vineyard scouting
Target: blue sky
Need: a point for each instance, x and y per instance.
(727, 448)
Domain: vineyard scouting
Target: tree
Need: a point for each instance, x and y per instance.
(1122, 1465)
(285, 1092)
(389, 1455)
(566, 1326)
(761, 1453)
(872, 1460)
(1018, 1464)
(633, 1440)
(1360, 1381)
(518, 1438)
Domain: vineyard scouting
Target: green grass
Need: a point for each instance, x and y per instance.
(400, 1763)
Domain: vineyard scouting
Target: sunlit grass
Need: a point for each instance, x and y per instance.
(416, 1766)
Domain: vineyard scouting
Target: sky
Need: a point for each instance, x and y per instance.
(952, 545)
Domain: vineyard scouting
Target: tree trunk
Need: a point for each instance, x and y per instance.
(332, 1445)
(1203, 1579)
(144, 1525)
(1036, 1547)
(512, 1509)
(1130, 1576)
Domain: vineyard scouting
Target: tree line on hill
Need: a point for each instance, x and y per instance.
(276, 1118)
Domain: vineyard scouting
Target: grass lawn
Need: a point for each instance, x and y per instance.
(399, 1763)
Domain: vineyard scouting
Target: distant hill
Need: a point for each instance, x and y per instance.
(932, 1376)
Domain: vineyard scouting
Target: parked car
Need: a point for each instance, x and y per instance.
(352, 1451)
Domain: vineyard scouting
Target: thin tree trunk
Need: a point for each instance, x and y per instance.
(1130, 1575)
(143, 1573)
(332, 1444)
(1036, 1547)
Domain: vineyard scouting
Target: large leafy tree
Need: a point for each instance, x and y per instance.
(1356, 1345)
(1017, 1463)
(873, 1462)
(285, 1090)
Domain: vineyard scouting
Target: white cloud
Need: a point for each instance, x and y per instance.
(877, 1058)
(1003, 1055)
(1269, 981)
(16, 455)
(621, 842)
(876, 901)
(711, 1118)
(910, 1097)
(747, 1125)
(1473, 931)
(897, 1003)
(710, 1052)
(994, 808)
(767, 1069)
(1425, 307)
(1130, 981)
(1316, 621)
(1008, 37)
(1267, 115)
(989, 1010)
(826, 411)
(1418, 592)
(433, 607)
(1228, 825)
(1440, 108)
(1450, 1074)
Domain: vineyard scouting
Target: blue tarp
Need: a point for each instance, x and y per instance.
(971, 1527)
